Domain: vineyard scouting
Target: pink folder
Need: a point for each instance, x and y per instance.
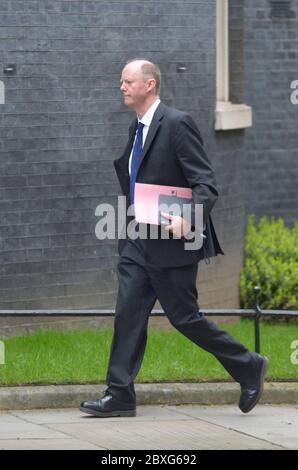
(146, 200)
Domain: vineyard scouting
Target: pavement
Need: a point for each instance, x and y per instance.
(156, 427)
(189, 416)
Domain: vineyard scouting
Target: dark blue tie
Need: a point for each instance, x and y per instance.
(135, 160)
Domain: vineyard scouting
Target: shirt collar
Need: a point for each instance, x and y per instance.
(148, 116)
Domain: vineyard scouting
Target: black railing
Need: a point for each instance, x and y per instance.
(256, 312)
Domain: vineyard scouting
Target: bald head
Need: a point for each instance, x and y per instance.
(140, 84)
(149, 70)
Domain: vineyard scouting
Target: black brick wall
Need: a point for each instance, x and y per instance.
(64, 122)
(271, 159)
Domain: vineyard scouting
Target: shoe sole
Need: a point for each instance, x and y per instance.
(263, 375)
(110, 414)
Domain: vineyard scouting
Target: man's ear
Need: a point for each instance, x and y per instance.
(151, 84)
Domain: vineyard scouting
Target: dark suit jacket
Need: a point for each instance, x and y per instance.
(173, 155)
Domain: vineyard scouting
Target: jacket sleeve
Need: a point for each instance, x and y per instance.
(195, 166)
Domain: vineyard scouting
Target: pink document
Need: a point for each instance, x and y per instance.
(147, 197)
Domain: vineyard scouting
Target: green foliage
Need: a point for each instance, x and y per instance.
(271, 262)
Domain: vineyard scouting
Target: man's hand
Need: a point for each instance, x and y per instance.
(178, 226)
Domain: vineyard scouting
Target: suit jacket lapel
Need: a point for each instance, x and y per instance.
(154, 126)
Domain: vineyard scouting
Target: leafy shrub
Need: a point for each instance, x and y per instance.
(271, 262)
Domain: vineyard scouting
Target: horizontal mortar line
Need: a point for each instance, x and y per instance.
(92, 13)
(85, 24)
(131, 2)
(122, 112)
(66, 286)
(90, 77)
(99, 63)
(60, 260)
(55, 260)
(68, 150)
(91, 270)
(63, 311)
(54, 198)
(49, 286)
(105, 173)
(98, 294)
(53, 124)
(68, 162)
(64, 137)
(94, 51)
(93, 247)
(101, 52)
(74, 172)
(61, 271)
(58, 148)
(97, 28)
(94, 100)
(92, 89)
(74, 169)
(26, 237)
(87, 101)
(97, 38)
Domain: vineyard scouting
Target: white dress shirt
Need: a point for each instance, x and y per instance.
(146, 120)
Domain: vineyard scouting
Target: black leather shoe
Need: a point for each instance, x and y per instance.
(251, 391)
(107, 407)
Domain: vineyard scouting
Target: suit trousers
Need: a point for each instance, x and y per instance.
(141, 282)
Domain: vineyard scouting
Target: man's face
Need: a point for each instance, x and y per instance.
(133, 86)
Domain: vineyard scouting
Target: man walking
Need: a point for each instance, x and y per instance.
(165, 148)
